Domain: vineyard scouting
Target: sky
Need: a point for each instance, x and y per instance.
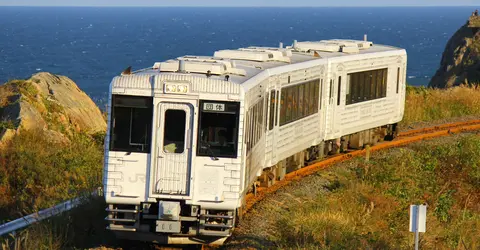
(243, 3)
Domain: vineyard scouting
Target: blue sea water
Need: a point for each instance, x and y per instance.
(93, 44)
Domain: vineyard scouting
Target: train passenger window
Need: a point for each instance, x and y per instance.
(366, 86)
(339, 90)
(131, 123)
(283, 107)
(384, 84)
(294, 102)
(300, 101)
(398, 78)
(174, 131)
(321, 93)
(289, 105)
(266, 112)
(331, 89)
(313, 97)
(218, 129)
(373, 88)
(301, 94)
(273, 109)
(308, 99)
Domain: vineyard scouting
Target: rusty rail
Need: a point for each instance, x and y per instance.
(403, 139)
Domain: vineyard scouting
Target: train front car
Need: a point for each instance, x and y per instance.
(173, 154)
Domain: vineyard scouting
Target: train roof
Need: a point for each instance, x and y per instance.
(240, 65)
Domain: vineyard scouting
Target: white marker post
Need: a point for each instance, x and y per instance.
(418, 221)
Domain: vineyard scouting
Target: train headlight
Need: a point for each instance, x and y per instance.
(175, 88)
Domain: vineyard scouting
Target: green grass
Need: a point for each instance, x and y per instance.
(36, 173)
(368, 207)
(427, 104)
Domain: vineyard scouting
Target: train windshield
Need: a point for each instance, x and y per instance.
(131, 123)
(218, 129)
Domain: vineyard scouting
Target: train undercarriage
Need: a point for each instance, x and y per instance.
(331, 147)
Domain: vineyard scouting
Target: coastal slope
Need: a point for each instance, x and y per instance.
(460, 62)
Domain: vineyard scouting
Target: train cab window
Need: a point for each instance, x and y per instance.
(218, 129)
(131, 123)
(174, 131)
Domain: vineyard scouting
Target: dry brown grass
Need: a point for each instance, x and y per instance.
(426, 104)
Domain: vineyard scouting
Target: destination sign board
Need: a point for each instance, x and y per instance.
(209, 106)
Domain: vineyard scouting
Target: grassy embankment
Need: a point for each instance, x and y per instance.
(365, 204)
(35, 173)
(424, 105)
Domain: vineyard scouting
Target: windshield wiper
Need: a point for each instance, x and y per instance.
(207, 146)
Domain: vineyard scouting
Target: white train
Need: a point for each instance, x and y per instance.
(189, 137)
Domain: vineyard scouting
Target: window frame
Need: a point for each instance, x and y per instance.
(148, 102)
(367, 85)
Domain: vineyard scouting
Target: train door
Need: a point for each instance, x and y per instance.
(271, 118)
(173, 148)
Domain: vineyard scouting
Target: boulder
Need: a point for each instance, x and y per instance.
(49, 103)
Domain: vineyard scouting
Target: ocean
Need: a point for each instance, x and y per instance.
(91, 45)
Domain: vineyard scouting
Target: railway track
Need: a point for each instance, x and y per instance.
(403, 138)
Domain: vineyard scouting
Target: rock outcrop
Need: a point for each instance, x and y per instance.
(460, 61)
(48, 103)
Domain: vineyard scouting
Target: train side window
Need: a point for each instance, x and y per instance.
(266, 118)
(373, 89)
(288, 116)
(339, 90)
(260, 119)
(384, 83)
(321, 93)
(174, 131)
(283, 106)
(353, 88)
(277, 102)
(367, 85)
(347, 95)
(131, 123)
(295, 102)
(307, 100)
(313, 97)
(398, 79)
(273, 109)
(246, 131)
(331, 90)
(367, 77)
(301, 93)
(254, 126)
(379, 84)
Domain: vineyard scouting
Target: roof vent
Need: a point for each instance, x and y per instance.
(199, 64)
(254, 54)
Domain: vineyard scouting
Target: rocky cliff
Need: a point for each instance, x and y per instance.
(48, 103)
(460, 61)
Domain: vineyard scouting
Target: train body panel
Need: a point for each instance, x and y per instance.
(188, 138)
